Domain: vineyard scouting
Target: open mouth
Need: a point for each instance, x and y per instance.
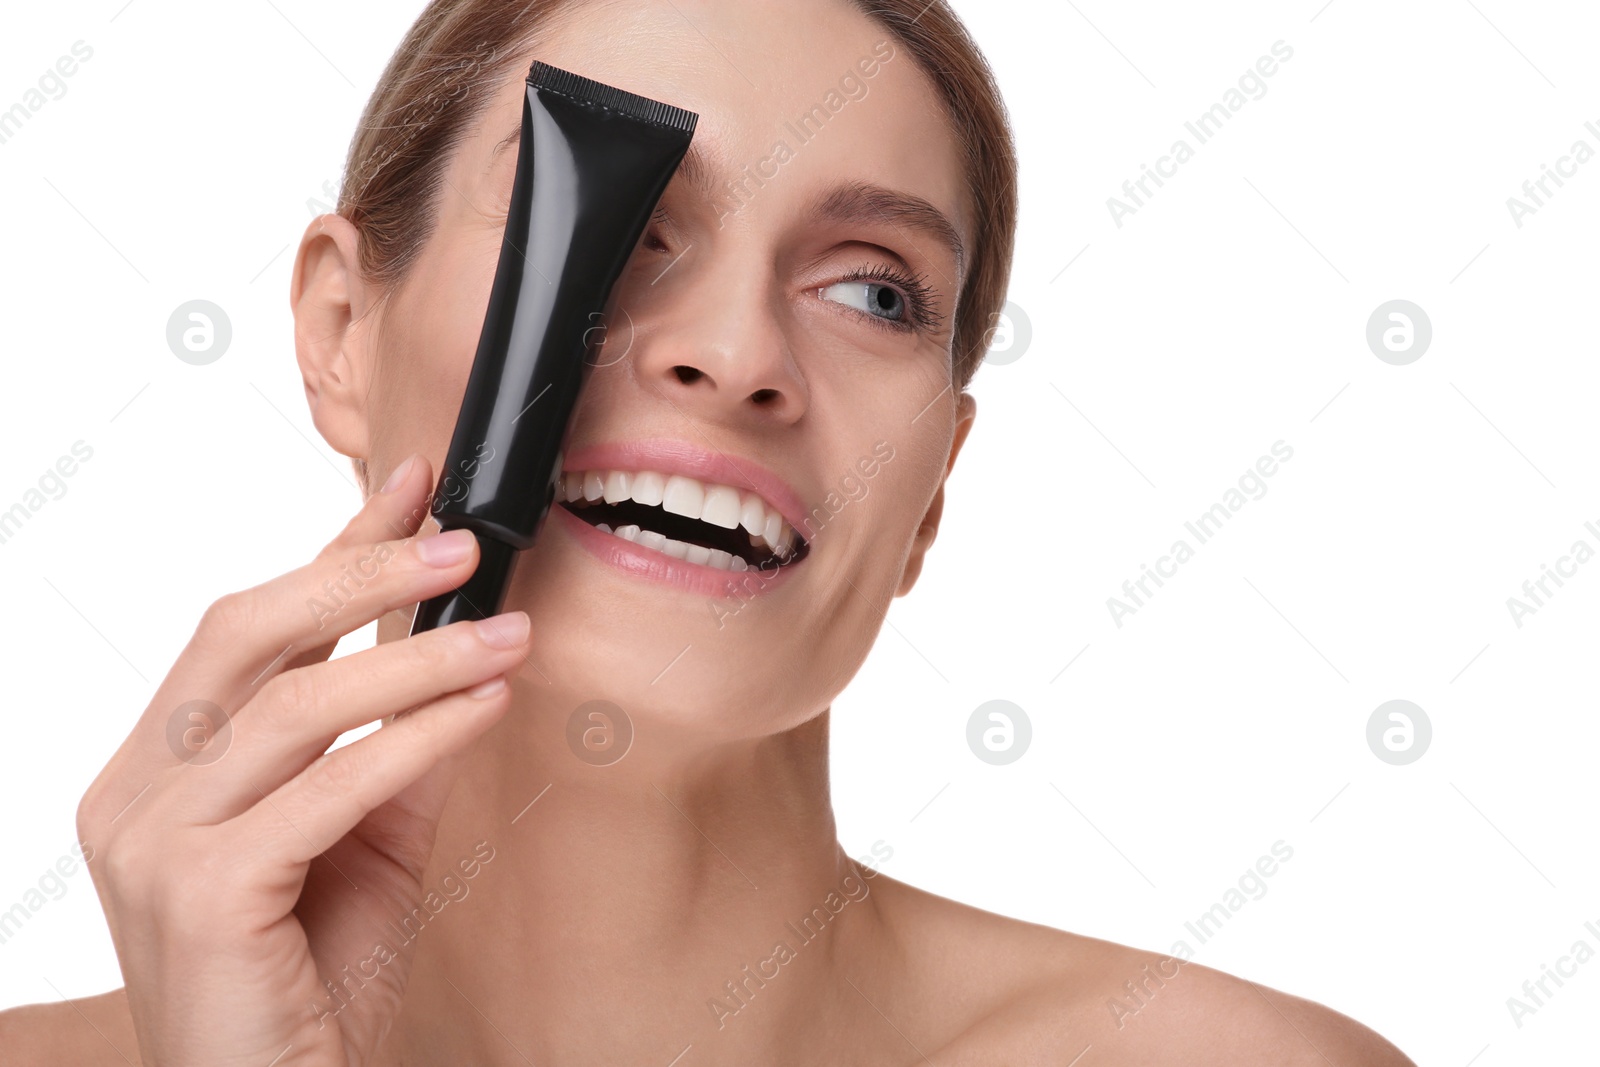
(698, 522)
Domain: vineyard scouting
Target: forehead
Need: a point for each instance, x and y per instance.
(813, 90)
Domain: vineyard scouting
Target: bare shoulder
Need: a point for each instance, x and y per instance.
(1028, 994)
(1138, 1007)
(87, 1032)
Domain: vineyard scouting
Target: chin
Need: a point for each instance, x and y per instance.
(677, 662)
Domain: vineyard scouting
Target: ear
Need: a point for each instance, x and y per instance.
(332, 337)
(966, 411)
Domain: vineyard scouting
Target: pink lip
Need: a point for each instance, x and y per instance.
(679, 457)
(659, 567)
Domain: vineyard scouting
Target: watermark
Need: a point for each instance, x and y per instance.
(49, 886)
(1251, 885)
(1139, 991)
(1399, 732)
(851, 87)
(599, 733)
(199, 732)
(854, 486)
(1566, 567)
(317, 206)
(51, 485)
(420, 115)
(386, 950)
(1142, 988)
(1008, 336)
(51, 82)
(1399, 332)
(594, 348)
(1202, 128)
(1566, 967)
(1202, 528)
(339, 592)
(453, 486)
(740, 991)
(1566, 167)
(199, 332)
(999, 732)
(744, 588)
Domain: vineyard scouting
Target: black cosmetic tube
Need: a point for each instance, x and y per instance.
(594, 162)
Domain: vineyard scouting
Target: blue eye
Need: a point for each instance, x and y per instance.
(872, 297)
(888, 298)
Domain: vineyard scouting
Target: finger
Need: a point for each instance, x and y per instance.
(247, 637)
(340, 572)
(395, 512)
(399, 507)
(312, 811)
(299, 714)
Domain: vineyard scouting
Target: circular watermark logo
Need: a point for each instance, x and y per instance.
(597, 338)
(599, 733)
(1399, 732)
(1399, 332)
(1008, 335)
(199, 332)
(999, 732)
(199, 732)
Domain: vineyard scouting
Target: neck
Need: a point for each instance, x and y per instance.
(678, 897)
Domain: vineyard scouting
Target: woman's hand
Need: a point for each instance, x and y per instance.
(240, 864)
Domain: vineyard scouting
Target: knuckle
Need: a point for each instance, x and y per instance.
(346, 574)
(229, 617)
(370, 562)
(433, 656)
(87, 842)
(127, 865)
(342, 538)
(337, 774)
(428, 726)
(291, 696)
(371, 559)
(90, 808)
(98, 811)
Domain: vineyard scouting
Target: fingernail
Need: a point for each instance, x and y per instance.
(398, 475)
(504, 631)
(484, 690)
(445, 549)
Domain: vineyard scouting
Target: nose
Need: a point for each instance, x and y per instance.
(715, 343)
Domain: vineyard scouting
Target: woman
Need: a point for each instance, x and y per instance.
(481, 880)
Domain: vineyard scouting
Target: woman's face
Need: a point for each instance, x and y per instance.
(786, 320)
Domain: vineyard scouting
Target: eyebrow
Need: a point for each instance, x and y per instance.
(863, 202)
(852, 202)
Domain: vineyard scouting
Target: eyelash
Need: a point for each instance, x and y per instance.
(658, 219)
(919, 296)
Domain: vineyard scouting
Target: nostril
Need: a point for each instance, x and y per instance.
(687, 374)
(762, 396)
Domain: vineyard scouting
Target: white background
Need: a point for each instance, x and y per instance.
(1228, 313)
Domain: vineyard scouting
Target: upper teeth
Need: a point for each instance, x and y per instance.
(720, 505)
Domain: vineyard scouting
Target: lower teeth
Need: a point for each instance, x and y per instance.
(709, 557)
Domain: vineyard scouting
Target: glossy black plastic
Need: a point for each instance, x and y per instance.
(594, 162)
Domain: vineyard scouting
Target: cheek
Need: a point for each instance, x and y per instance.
(450, 305)
(894, 508)
(892, 484)
(433, 335)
